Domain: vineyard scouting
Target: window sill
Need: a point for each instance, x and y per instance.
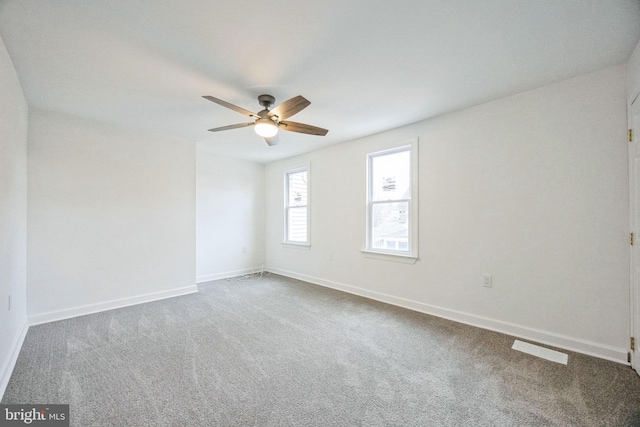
(386, 256)
(301, 246)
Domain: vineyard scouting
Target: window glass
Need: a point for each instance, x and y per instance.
(391, 176)
(389, 201)
(296, 207)
(390, 229)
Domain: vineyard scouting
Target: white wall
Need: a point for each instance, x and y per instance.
(531, 189)
(229, 216)
(13, 216)
(111, 216)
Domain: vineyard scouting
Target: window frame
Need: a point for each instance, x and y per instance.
(286, 241)
(411, 255)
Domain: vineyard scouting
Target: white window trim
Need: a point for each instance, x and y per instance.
(287, 243)
(386, 256)
(295, 245)
(411, 256)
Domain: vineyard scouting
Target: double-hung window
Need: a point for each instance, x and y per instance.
(392, 201)
(297, 206)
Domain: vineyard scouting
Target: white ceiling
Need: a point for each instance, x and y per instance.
(365, 65)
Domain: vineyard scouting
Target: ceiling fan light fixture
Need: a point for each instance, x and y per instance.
(265, 128)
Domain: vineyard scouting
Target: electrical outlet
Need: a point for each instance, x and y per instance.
(487, 280)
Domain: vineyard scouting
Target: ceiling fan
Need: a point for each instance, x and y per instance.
(268, 121)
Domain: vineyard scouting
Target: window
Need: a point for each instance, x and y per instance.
(296, 206)
(392, 201)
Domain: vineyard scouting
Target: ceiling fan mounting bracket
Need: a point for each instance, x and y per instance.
(266, 101)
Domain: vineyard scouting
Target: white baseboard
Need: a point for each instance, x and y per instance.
(53, 316)
(10, 363)
(227, 274)
(577, 345)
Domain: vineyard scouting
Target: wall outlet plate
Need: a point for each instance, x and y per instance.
(487, 280)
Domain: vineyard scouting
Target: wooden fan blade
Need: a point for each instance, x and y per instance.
(302, 128)
(236, 126)
(273, 140)
(231, 106)
(289, 107)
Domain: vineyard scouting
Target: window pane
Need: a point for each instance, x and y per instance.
(391, 176)
(297, 188)
(390, 228)
(297, 224)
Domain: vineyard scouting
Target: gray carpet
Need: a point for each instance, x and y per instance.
(280, 352)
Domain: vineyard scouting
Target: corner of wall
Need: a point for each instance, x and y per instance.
(12, 358)
(13, 217)
(633, 74)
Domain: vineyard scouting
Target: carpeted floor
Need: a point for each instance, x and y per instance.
(280, 352)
